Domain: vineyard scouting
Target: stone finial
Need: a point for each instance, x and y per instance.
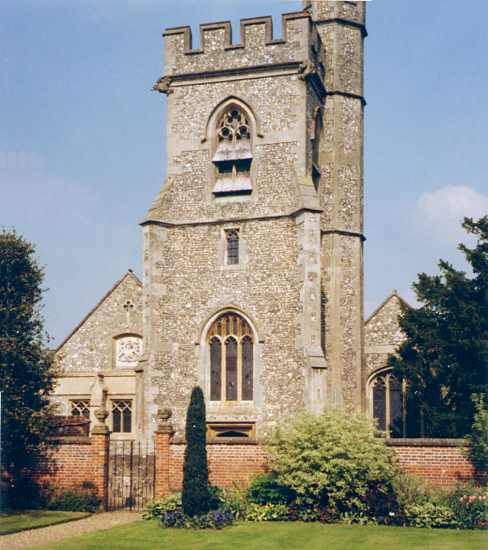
(101, 415)
(164, 425)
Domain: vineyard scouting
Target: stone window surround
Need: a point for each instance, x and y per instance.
(243, 411)
(384, 371)
(122, 397)
(243, 251)
(210, 137)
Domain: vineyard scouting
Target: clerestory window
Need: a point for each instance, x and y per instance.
(233, 153)
(231, 349)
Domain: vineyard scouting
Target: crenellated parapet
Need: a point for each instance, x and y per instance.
(257, 46)
(347, 12)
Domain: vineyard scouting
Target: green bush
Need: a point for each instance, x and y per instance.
(337, 462)
(195, 497)
(431, 515)
(169, 512)
(267, 512)
(469, 505)
(156, 509)
(79, 499)
(265, 489)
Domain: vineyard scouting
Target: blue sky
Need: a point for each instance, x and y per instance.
(82, 137)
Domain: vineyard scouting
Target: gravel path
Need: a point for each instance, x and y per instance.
(53, 533)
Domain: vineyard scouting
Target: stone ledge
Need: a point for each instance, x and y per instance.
(426, 442)
(223, 441)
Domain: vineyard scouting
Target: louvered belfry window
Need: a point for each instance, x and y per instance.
(231, 344)
(233, 154)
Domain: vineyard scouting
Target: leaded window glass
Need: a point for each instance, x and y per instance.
(231, 346)
(247, 359)
(122, 416)
(232, 247)
(215, 369)
(379, 403)
(231, 369)
(389, 404)
(80, 407)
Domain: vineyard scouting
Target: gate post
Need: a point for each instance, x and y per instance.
(162, 451)
(100, 441)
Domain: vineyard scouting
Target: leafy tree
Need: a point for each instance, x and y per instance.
(445, 355)
(195, 498)
(478, 438)
(26, 373)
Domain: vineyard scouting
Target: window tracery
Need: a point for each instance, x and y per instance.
(231, 348)
(389, 403)
(122, 416)
(233, 153)
(80, 407)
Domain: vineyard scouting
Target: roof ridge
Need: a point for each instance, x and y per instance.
(393, 293)
(129, 273)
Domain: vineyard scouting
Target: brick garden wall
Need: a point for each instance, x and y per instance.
(229, 463)
(67, 464)
(441, 462)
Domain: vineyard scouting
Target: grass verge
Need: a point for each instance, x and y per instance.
(273, 536)
(33, 519)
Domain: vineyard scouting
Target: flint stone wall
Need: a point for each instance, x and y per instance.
(90, 348)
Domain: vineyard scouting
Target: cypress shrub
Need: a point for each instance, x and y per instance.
(195, 497)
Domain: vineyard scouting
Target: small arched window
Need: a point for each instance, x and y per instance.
(233, 153)
(389, 404)
(230, 342)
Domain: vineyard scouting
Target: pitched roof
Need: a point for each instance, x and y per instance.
(393, 294)
(129, 273)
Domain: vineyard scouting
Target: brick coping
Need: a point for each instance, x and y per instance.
(426, 442)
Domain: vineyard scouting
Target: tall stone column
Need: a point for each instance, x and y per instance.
(162, 450)
(100, 441)
(341, 27)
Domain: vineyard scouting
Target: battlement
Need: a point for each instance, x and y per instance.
(257, 45)
(341, 11)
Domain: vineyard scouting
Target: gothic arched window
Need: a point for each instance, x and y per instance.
(230, 341)
(233, 153)
(388, 396)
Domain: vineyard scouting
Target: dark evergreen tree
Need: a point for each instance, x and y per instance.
(195, 496)
(445, 355)
(26, 373)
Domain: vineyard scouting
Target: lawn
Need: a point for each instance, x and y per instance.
(274, 536)
(12, 523)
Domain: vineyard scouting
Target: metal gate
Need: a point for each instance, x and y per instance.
(130, 475)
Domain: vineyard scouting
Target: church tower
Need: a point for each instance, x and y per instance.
(253, 248)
